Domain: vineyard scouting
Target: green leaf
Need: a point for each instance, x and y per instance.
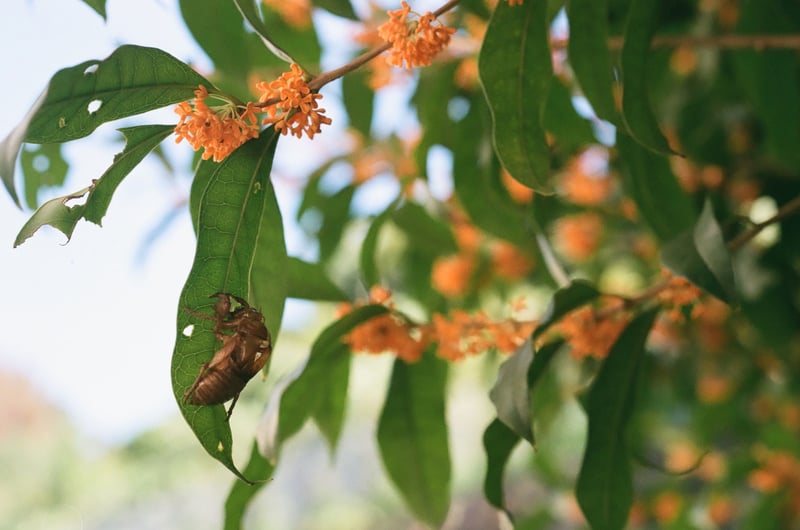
(476, 181)
(249, 11)
(425, 231)
(42, 166)
(221, 36)
(770, 77)
(235, 204)
(710, 244)
(573, 296)
(341, 8)
(269, 275)
(649, 181)
(571, 131)
(700, 255)
(139, 141)
(605, 484)
(643, 20)
(336, 212)
(302, 397)
(132, 80)
(308, 281)
(412, 437)
(359, 100)
(332, 397)
(498, 441)
(589, 55)
(12, 143)
(515, 70)
(511, 395)
(512, 392)
(259, 469)
(369, 268)
(98, 5)
(57, 213)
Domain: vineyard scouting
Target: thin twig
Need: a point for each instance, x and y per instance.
(790, 208)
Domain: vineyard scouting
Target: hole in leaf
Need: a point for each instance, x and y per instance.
(94, 106)
(220, 447)
(90, 69)
(40, 163)
(188, 330)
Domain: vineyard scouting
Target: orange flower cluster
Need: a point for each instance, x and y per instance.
(591, 332)
(678, 293)
(585, 180)
(458, 335)
(389, 332)
(414, 43)
(779, 471)
(515, 2)
(578, 236)
(296, 13)
(451, 275)
(462, 334)
(298, 110)
(218, 130)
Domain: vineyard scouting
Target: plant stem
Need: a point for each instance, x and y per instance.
(790, 208)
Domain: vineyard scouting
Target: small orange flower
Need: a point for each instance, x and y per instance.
(585, 181)
(451, 274)
(414, 43)
(298, 110)
(218, 130)
(508, 262)
(591, 332)
(388, 332)
(296, 13)
(577, 236)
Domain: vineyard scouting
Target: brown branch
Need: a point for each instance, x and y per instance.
(788, 209)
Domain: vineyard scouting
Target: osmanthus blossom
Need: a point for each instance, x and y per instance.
(218, 130)
(297, 110)
(414, 42)
(288, 103)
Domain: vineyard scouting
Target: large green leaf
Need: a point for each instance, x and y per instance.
(605, 484)
(700, 255)
(259, 469)
(476, 181)
(42, 166)
(249, 11)
(369, 267)
(425, 231)
(235, 52)
(132, 80)
(359, 100)
(332, 396)
(512, 392)
(770, 77)
(412, 437)
(641, 25)
(498, 441)
(710, 244)
(649, 181)
(235, 206)
(515, 70)
(59, 214)
(571, 132)
(12, 143)
(302, 398)
(589, 55)
(309, 281)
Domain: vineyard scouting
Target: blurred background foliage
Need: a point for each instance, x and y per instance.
(672, 145)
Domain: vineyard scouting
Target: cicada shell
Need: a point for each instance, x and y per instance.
(246, 347)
